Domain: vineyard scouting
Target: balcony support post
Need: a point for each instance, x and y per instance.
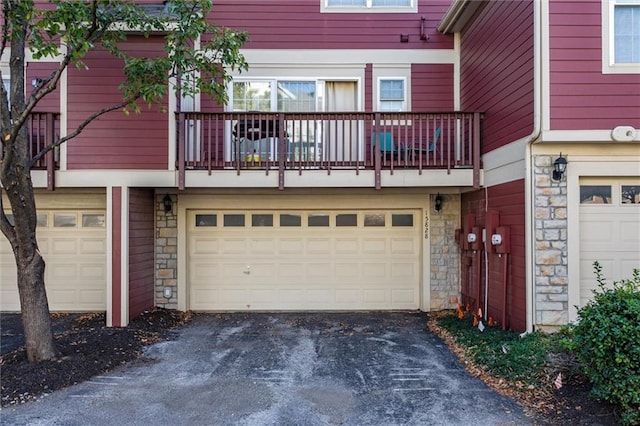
(282, 151)
(476, 150)
(180, 137)
(49, 138)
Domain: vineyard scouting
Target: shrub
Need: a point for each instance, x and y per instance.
(607, 342)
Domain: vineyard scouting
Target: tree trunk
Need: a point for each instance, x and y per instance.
(15, 175)
(36, 319)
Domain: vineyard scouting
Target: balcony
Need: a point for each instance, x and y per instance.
(42, 128)
(360, 141)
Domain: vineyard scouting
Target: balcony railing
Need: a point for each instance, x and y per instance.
(42, 128)
(327, 141)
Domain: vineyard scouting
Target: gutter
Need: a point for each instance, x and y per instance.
(529, 179)
(454, 20)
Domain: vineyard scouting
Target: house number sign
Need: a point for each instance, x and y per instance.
(426, 225)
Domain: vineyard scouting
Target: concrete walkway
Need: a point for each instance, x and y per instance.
(284, 369)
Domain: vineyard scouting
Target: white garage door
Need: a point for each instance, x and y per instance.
(609, 231)
(297, 260)
(73, 245)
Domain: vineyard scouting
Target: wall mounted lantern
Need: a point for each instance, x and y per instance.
(559, 168)
(167, 203)
(438, 203)
(423, 34)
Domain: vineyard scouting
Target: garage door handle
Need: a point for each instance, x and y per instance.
(247, 271)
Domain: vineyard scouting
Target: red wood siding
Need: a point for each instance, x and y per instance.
(141, 251)
(432, 87)
(508, 200)
(287, 24)
(582, 97)
(114, 141)
(51, 102)
(116, 253)
(497, 71)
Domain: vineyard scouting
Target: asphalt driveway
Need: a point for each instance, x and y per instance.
(284, 369)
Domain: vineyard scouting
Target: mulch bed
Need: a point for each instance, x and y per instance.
(87, 349)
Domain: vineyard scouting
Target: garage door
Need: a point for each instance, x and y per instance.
(609, 231)
(296, 260)
(73, 245)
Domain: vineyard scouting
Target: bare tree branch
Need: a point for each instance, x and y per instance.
(80, 128)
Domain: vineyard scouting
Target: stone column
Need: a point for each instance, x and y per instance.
(551, 275)
(166, 253)
(445, 256)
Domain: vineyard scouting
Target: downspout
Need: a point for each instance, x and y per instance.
(529, 178)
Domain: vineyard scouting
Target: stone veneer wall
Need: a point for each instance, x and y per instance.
(166, 253)
(445, 254)
(551, 275)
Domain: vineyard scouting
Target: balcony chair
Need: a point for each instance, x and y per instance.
(431, 147)
(386, 143)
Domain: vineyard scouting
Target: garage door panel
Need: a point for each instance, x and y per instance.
(10, 300)
(291, 245)
(93, 245)
(374, 271)
(347, 270)
(303, 267)
(403, 296)
(204, 245)
(347, 246)
(403, 246)
(62, 271)
(233, 245)
(319, 270)
(262, 246)
(92, 272)
(376, 297)
(320, 246)
(91, 297)
(403, 271)
(64, 246)
(374, 246)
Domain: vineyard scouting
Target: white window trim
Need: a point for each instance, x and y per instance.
(406, 103)
(369, 8)
(608, 59)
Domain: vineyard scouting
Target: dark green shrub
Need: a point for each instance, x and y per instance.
(607, 342)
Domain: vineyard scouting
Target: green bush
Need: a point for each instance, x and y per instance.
(607, 343)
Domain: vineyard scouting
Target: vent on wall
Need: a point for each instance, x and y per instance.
(624, 134)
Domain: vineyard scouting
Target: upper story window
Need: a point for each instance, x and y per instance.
(621, 36)
(392, 95)
(274, 95)
(369, 6)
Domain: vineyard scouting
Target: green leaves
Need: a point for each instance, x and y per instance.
(192, 45)
(607, 339)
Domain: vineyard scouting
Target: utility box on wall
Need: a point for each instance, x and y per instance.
(502, 234)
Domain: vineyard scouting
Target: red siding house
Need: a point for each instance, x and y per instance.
(369, 159)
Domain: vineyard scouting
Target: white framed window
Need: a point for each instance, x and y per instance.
(288, 96)
(368, 6)
(621, 36)
(392, 94)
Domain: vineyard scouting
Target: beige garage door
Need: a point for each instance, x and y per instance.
(73, 244)
(609, 231)
(298, 260)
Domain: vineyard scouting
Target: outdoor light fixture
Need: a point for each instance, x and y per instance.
(559, 167)
(438, 203)
(168, 203)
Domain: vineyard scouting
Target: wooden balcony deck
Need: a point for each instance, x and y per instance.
(328, 141)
